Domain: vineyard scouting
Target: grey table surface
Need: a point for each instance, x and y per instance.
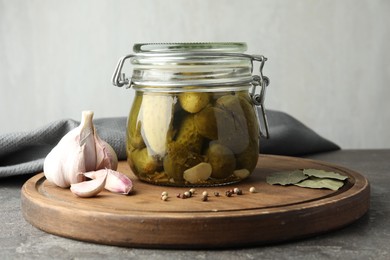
(367, 238)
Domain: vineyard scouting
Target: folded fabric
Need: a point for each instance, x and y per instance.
(290, 137)
(24, 152)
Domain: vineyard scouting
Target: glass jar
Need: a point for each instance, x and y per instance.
(193, 120)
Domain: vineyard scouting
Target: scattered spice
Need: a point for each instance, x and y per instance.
(164, 196)
(205, 196)
(228, 193)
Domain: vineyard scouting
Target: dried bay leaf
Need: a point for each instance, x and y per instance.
(308, 178)
(286, 177)
(320, 183)
(324, 174)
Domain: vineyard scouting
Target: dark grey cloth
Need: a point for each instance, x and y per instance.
(24, 152)
(291, 137)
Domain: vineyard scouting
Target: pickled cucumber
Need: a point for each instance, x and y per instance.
(244, 95)
(188, 136)
(142, 162)
(134, 137)
(233, 132)
(178, 159)
(193, 102)
(251, 119)
(222, 160)
(206, 122)
(248, 158)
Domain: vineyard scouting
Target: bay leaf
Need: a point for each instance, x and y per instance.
(324, 174)
(320, 183)
(286, 177)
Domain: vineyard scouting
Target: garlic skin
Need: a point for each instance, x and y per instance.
(116, 182)
(87, 189)
(105, 155)
(80, 150)
(73, 155)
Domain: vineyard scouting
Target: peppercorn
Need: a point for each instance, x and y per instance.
(216, 193)
(228, 193)
(205, 196)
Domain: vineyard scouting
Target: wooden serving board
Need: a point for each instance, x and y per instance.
(142, 219)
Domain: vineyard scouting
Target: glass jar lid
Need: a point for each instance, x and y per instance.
(178, 65)
(174, 67)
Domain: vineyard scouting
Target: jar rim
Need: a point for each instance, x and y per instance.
(226, 47)
(194, 64)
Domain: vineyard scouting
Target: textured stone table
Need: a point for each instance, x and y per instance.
(367, 238)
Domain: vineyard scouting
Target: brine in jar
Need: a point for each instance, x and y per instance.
(192, 138)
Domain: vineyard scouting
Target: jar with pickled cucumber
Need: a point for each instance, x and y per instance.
(194, 120)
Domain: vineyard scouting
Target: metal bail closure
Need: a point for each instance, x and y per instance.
(258, 99)
(118, 78)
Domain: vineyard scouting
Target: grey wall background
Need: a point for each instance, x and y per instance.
(329, 61)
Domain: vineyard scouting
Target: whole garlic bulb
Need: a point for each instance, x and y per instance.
(79, 151)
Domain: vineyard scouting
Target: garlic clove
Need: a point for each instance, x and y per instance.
(116, 181)
(198, 173)
(87, 189)
(74, 154)
(156, 125)
(87, 140)
(241, 173)
(105, 155)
